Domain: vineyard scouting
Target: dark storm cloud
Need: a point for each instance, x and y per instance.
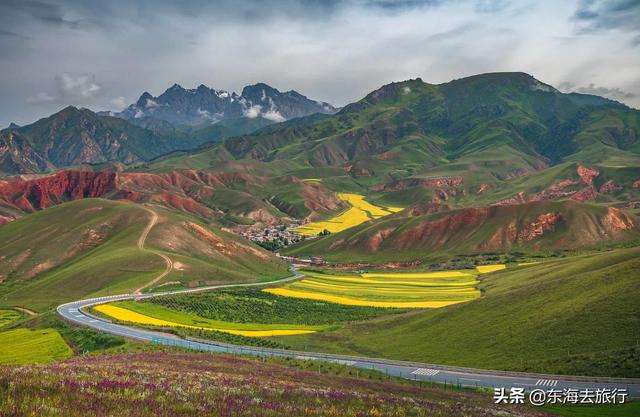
(104, 54)
(402, 4)
(43, 11)
(456, 32)
(491, 6)
(93, 13)
(13, 34)
(593, 16)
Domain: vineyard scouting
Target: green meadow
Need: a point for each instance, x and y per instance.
(22, 346)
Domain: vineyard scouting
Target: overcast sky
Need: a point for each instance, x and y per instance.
(104, 54)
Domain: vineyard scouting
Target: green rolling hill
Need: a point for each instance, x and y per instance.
(499, 133)
(577, 316)
(90, 247)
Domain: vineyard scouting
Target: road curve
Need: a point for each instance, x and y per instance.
(468, 377)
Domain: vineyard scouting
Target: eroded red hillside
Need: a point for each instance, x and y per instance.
(202, 193)
(536, 225)
(38, 193)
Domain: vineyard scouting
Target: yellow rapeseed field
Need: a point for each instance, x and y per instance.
(483, 269)
(397, 290)
(123, 314)
(360, 212)
(356, 302)
(383, 291)
(437, 274)
(417, 283)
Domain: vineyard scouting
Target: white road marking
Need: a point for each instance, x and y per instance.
(547, 382)
(425, 371)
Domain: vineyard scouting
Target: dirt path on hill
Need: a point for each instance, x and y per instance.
(25, 310)
(141, 241)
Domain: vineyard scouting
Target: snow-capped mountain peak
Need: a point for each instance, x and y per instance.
(180, 106)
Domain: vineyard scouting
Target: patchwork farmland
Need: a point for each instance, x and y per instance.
(321, 301)
(245, 314)
(393, 290)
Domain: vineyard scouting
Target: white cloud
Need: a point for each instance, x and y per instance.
(337, 54)
(206, 114)
(81, 86)
(406, 90)
(253, 111)
(40, 98)
(273, 115)
(118, 103)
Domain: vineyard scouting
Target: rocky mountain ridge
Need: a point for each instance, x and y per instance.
(204, 105)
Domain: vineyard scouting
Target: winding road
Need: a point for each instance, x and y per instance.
(468, 377)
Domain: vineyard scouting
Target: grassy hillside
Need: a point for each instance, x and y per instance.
(497, 134)
(21, 346)
(532, 227)
(204, 254)
(74, 250)
(90, 247)
(410, 125)
(576, 315)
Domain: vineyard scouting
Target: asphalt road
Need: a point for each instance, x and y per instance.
(410, 370)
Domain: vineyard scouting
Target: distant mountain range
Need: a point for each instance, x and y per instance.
(472, 144)
(178, 119)
(203, 105)
(412, 125)
(79, 136)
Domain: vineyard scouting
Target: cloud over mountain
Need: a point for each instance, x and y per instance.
(335, 50)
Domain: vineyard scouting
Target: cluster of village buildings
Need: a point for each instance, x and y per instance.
(280, 235)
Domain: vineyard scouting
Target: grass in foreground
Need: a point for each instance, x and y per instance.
(181, 384)
(394, 290)
(21, 346)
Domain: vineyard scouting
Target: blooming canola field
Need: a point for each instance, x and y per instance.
(154, 315)
(485, 269)
(392, 290)
(359, 212)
